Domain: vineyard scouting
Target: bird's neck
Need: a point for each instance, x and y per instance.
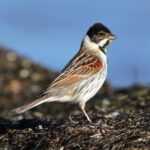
(87, 45)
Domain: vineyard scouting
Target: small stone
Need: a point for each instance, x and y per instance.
(15, 86)
(24, 73)
(37, 114)
(62, 148)
(30, 129)
(141, 140)
(98, 135)
(115, 114)
(112, 115)
(11, 56)
(138, 123)
(40, 127)
(106, 102)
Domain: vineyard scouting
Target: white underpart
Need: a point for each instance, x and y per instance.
(98, 81)
(103, 42)
(103, 57)
(93, 85)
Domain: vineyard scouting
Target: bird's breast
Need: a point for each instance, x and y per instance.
(89, 87)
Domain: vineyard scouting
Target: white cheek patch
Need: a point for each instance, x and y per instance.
(89, 43)
(103, 42)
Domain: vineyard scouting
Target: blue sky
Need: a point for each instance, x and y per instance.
(50, 33)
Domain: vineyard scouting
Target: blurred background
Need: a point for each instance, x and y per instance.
(38, 38)
(50, 32)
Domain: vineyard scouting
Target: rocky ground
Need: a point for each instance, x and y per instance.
(121, 117)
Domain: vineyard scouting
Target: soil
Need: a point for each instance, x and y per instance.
(121, 117)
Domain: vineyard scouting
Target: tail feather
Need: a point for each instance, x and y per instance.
(24, 108)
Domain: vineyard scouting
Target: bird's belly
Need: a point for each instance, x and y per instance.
(88, 88)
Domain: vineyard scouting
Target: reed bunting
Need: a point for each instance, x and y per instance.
(83, 76)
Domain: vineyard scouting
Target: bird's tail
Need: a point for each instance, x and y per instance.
(24, 108)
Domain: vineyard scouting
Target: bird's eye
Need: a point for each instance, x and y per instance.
(101, 33)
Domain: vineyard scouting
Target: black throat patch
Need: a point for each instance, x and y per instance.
(103, 50)
(105, 47)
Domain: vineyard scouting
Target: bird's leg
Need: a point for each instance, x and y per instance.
(82, 106)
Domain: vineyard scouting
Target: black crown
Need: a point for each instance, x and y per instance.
(96, 28)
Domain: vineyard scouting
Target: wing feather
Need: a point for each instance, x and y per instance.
(82, 66)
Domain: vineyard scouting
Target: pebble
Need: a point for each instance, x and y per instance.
(106, 102)
(40, 127)
(24, 73)
(11, 56)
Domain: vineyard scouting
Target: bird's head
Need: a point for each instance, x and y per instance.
(99, 36)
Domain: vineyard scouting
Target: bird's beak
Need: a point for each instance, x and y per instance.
(112, 37)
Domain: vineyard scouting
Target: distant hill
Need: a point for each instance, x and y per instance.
(21, 80)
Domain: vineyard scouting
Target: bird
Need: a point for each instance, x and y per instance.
(83, 76)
